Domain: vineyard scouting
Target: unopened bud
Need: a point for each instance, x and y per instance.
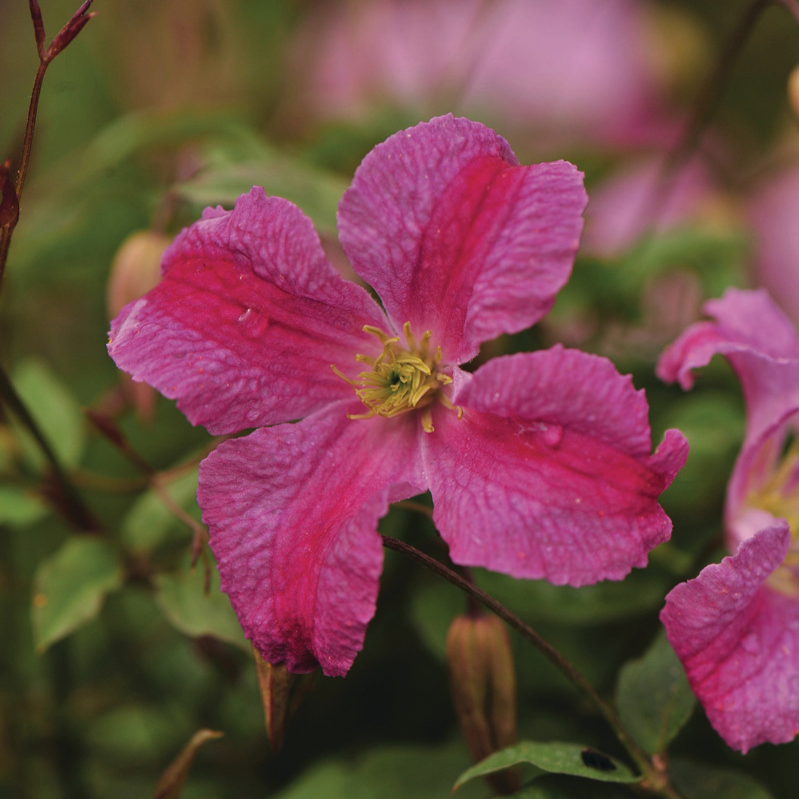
(65, 36)
(483, 683)
(793, 90)
(281, 695)
(135, 270)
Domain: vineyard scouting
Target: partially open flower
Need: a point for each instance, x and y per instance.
(736, 626)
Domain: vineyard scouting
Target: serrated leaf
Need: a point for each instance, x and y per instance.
(194, 612)
(69, 588)
(699, 781)
(653, 697)
(553, 757)
(55, 410)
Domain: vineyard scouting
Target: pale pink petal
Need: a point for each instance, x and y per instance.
(458, 239)
(292, 512)
(637, 201)
(573, 70)
(739, 642)
(549, 472)
(762, 346)
(247, 320)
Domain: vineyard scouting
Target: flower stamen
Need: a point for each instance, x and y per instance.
(779, 495)
(399, 379)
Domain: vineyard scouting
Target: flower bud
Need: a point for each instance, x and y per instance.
(483, 684)
(793, 90)
(135, 270)
(281, 695)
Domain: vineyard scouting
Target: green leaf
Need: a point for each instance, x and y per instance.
(396, 772)
(699, 781)
(653, 696)
(603, 602)
(19, 507)
(194, 612)
(55, 410)
(315, 191)
(557, 758)
(149, 520)
(69, 587)
(128, 135)
(555, 786)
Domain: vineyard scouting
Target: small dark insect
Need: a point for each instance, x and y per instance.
(595, 760)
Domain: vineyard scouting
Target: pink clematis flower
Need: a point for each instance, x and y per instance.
(539, 464)
(572, 70)
(736, 626)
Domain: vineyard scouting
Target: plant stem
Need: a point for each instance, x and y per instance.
(27, 146)
(653, 776)
(708, 99)
(69, 500)
(61, 41)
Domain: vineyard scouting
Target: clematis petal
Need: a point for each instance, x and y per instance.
(739, 642)
(549, 472)
(762, 346)
(247, 320)
(456, 237)
(746, 321)
(292, 512)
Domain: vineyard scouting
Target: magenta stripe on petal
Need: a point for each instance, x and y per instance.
(292, 512)
(739, 642)
(247, 320)
(456, 237)
(530, 484)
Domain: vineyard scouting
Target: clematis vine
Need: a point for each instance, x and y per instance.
(736, 626)
(539, 464)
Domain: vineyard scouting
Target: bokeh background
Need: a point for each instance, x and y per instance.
(161, 107)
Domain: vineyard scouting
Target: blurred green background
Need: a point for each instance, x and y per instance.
(159, 108)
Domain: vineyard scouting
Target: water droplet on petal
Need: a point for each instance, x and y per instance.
(551, 434)
(252, 323)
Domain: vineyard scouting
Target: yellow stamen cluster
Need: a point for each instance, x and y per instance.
(779, 495)
(401, 380)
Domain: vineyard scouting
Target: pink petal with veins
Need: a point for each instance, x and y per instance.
(247, 320)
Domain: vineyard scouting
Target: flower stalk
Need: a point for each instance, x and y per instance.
(708, 99)
(67, 499)
(655, 778)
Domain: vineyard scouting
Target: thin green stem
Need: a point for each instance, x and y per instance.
(69, 500)
(654, 778)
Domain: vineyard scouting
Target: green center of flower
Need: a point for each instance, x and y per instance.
(779, 495)
(401, 379)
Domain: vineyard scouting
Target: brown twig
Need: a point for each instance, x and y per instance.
(9, 208)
